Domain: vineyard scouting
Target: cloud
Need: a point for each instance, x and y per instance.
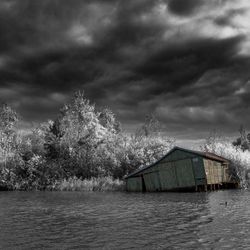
(184, 7)
(188, 61)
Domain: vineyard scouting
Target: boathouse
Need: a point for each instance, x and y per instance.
(183, 169)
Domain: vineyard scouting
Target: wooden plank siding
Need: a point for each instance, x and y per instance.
(199, 171)
(184, 173)
(181, 169)
(168, 177)
(214, 172)
(134, 184)
(152, 181)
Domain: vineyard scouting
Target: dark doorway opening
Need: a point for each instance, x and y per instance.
(143, 184)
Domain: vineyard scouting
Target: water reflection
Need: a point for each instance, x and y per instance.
(74, 220)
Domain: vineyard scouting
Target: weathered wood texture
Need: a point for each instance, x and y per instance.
(134, 184)
(180, 169)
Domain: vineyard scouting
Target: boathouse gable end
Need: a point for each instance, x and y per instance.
(180, 169)
(135, 184)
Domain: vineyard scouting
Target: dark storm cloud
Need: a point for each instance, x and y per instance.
(185, 60)
(184, 7)
(182, 64)
(226, 18)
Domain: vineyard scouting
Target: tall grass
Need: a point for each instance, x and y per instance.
(93, 184)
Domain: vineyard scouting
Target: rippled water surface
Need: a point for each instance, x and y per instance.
(75, 220)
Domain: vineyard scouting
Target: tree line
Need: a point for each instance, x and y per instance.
(82, 142)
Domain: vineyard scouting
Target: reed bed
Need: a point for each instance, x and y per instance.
(93, 184)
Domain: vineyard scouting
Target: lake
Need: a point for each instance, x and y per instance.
(82, 220)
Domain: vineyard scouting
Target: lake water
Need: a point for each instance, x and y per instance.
(78, 220)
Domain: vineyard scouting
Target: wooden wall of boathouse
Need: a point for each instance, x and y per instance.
(180, 169)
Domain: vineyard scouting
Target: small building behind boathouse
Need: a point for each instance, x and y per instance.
(183, 169)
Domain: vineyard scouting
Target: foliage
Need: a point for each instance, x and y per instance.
(82, 145)
(243, 141)
(85, 148)
(8, 144)
(150, 127)
(93, 184)
(8, 136)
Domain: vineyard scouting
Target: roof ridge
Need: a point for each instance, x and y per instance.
(204, 154)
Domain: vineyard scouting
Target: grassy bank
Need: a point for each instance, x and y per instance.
(93, 184)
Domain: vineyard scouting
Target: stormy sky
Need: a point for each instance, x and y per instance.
(187, 61)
